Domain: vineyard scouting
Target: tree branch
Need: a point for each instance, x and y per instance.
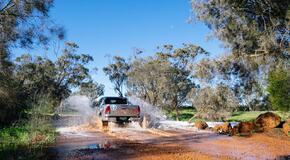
(7, 6)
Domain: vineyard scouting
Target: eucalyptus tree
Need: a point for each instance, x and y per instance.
(91, 89)
(146, 79)
(42, 76)
(117, 72)
(214, 103)
(248, 27)
(178, 82)
(164, 79)
(23, 23)
(244, 77)
(257, 33)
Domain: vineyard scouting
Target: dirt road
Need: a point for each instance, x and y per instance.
(133, 142)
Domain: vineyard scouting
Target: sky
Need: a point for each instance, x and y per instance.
(116, 27)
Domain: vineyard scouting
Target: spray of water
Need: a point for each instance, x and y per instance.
(81, 104)
(157, 118)
(147, 110)
(76, 113)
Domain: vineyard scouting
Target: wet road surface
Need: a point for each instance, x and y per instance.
(88, 142)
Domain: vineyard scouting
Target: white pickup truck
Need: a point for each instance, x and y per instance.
(116, 109)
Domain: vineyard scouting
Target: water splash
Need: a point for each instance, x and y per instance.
(80, 104)
(156, 115)
(75, 110)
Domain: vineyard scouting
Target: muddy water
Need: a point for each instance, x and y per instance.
(172, 140)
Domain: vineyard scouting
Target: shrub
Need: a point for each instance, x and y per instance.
(279, 87)
(214, 103)
(28, 135)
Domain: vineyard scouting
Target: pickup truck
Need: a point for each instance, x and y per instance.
(116, 109)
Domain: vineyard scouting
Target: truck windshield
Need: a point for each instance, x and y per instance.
(115, 100)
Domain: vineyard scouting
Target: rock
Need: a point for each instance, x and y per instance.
(243, 128)
(235, 130)
(286, 127)
(223, 128)
(200, 125)
(267, 121)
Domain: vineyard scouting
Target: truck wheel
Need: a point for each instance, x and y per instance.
(105, 125)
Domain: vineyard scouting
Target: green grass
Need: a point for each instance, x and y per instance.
(241, 116)
(184, 114)
(12, 137)
(26, 139)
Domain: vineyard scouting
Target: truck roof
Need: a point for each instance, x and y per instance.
(110, 97)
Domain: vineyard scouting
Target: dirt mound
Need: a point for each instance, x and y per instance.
(200, 125)
(286, 127)
(267, 121)
(243, 128)
(223, 128)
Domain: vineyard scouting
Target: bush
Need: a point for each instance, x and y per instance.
(279, 87)
(28, 136)
(214, 103)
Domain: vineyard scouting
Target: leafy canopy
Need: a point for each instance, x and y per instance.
(248, 26)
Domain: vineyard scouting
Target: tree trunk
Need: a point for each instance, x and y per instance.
(176, 109)
(177, 113)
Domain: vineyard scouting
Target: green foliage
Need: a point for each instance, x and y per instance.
(32, 86)
(30, 134)
(279, 87)
(184, 113)
(145, 79)
(43, 106)
(20, 23)
(38, 77)
(165, 79)
(12, 101)
(247, 26)
(23, 24)
(23, 139)
(91, 89)
(257, 34)
(14, 136)
(244, 77)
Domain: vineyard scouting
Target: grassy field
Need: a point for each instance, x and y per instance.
(240, 116)
(184, 114)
